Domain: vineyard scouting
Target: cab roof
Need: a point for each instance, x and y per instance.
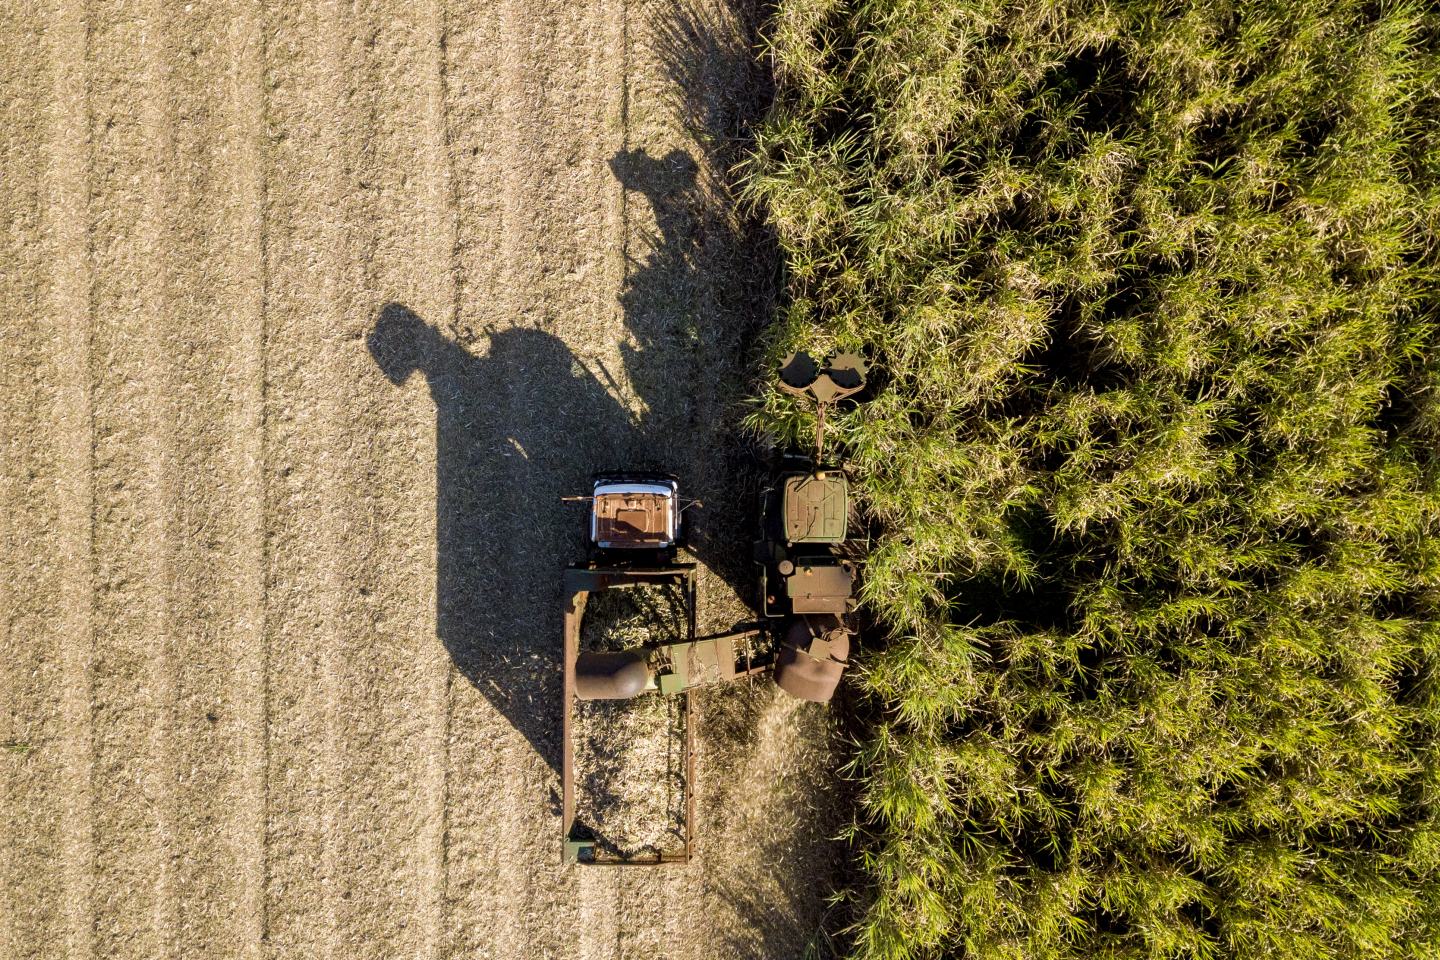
(633, 515)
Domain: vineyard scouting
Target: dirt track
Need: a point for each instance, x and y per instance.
(312, 312)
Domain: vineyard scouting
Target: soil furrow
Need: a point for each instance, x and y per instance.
(440, 211)
(244, 181)
(68, 309)
(202, 363)
(132, 681)
(390, 783)
(464, 388)
(305, 253)
(534, 41)
(32, 733)
(161, 511)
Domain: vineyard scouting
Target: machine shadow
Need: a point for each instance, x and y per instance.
(682, 358)
(516, 427)
(524, 423)
(520, 421)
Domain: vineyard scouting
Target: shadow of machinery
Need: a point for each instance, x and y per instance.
(516, 427)
(523, 422)
(520, 421)
(702, 275)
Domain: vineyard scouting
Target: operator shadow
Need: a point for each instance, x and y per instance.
(517, 427)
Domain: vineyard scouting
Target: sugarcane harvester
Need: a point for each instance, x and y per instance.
(635, 533)
(808, 584)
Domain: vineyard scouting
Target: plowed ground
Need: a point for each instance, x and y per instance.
(312, 313)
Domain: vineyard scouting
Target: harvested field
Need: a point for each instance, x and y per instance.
(312, 313)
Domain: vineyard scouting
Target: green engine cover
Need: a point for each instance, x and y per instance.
(815, 507)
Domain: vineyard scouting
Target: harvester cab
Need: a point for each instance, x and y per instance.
(635, 517)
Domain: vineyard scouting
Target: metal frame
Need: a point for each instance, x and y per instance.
(579, 582)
